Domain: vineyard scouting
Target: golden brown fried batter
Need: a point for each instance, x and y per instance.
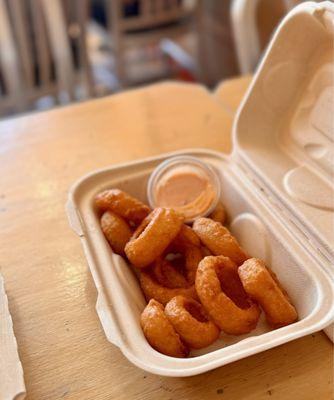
(153, 236)
(218, 214)
(187, 236)
(154, 290)
(116, 231)
(191, 322)
(160, 333)
(233, 313)
(169, 275)
(122, 204)
(219, 240)
(188, 245)
(263, 286)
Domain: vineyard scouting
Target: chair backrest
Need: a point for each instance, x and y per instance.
(245, 28)
(36, 57)
(152, 13)
(148, 16)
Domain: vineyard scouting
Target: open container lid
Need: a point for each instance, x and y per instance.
(284, 130)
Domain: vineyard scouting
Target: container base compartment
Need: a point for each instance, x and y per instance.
(121, 301)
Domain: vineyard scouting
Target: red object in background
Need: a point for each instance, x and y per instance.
(180, 72)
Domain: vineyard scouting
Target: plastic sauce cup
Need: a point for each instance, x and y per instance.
(185, 184)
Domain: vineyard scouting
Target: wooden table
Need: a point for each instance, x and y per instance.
(51, 294)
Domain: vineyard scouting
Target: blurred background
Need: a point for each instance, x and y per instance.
(53, 52)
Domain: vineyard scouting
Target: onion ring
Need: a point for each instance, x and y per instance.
(167, 274)
(153, 236)
(154, 290)
(122, 204)
(225, 301)
(181, 258)
(190, 321)
(187, 243)
(262, 285)
(219, 240)
(160, 333)
(170, 272)
(218, 214)
(205, 251)
(187, 236)
(192, 256)
(116, 231)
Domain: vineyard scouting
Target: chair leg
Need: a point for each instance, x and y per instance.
(82, 15)
(120, 67)
(114, 21)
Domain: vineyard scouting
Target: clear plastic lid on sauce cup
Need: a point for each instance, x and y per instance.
(185, 184)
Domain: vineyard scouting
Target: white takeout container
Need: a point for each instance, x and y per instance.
(276, 187)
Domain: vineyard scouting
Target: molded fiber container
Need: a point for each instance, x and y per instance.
(282, 151)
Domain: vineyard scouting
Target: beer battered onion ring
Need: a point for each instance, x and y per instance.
(167, 274)
(122, 204)
(154, 290)
(116, 231)
(223, 297)
(192, 256)
(169, 270)
(153, 236)
(187, 236)
(190, 321)
(262, 285)
(187, 243)
(205, 251)
(160, 333)
(219, 240)
(218, 214)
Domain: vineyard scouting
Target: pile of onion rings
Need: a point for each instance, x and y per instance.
(198, 280)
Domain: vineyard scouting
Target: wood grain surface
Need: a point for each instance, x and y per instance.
(51, 294)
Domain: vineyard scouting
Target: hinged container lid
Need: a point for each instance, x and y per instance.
(284, 130)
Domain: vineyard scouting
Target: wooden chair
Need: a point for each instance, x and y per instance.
(156, 20)
(36, 57)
